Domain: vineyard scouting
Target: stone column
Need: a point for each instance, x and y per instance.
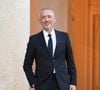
(14, 32)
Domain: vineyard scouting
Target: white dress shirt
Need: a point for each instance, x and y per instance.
(53, 36)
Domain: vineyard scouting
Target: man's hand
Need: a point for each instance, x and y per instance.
(72, 87)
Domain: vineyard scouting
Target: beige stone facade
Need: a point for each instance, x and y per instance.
(14, 32)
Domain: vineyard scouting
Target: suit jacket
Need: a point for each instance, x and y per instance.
(62, 61)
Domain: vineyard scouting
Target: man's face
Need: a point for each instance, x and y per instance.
(47, 19)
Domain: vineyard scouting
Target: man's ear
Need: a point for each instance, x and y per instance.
(54, 20)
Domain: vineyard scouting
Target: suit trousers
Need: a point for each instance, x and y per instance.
(52, 84)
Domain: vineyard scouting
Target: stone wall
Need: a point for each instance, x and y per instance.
(14, 32)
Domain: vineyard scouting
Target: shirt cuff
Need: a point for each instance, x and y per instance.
(33, 86)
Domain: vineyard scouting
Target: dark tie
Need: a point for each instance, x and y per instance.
(50, 46)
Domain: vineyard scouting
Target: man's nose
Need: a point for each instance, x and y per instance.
(46, 19)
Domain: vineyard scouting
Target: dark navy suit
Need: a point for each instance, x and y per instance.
(62, 61)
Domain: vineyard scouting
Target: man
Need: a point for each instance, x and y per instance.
(52, 52)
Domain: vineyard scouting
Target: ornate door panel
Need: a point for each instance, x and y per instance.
(96, 52)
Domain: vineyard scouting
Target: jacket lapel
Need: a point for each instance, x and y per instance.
(43, 44)
(57, 43)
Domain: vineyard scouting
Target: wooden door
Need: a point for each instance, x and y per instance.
(86, 42)
(96, 52)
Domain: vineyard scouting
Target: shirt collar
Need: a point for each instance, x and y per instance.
(46, 33)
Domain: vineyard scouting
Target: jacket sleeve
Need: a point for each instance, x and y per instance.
(28, 61)
(70, 62)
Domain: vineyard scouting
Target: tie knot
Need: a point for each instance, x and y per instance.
(49, 35)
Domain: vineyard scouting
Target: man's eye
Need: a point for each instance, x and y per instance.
(43, 17)
(49, 16)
